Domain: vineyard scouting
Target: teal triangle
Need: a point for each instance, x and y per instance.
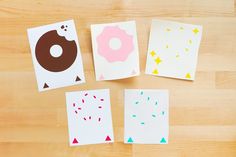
(130, 140)
(163, 140)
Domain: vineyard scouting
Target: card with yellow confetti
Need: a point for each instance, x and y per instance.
(173, 49)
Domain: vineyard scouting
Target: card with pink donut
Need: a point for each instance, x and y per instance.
(173, 49)
(115, 50)
(146, 116)
(56, 55)
(89, 117)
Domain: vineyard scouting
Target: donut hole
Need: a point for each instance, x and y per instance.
(115, 43)
(56, 51)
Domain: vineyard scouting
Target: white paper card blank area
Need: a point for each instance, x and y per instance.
(146, 116)
(89, 117)
(173, 49)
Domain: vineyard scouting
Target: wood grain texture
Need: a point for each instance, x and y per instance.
(202, 113)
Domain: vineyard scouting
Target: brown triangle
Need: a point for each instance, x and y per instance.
(77, 78)
(45, 85)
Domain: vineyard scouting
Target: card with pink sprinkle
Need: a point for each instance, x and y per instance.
(89, 117)
(115, 50)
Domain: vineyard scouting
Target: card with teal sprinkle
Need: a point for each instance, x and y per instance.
(146, 116)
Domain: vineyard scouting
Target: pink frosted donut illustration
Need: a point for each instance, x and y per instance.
(111, 54)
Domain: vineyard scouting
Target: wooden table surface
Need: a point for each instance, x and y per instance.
(202, 113)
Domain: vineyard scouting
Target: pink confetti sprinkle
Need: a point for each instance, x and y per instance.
(89, 117)
(94, 97)
(99, 106)
(79, 108)
(73, 104)
(82, 100)
(86, 94)
(76, 112)
(84, 118)
(99, 119)
(102, 99)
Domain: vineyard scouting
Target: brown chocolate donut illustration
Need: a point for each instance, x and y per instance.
(46, 60)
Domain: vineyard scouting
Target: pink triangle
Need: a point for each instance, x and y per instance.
(108, 138)
(101, 77)
(75, 141)
(133, 72)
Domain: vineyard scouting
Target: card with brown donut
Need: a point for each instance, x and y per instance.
(56, 55)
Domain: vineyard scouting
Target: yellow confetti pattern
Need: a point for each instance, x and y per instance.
(195, 31)
(168, 29)
(153, 53)
(158, 60)
(177, 55)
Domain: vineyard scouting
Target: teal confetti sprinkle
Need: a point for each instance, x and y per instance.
(141, 92)
(156, 103)
(133, 115)
(163, 112)
(148, 98)
(142, 123)
(136, 102)
(153, 115)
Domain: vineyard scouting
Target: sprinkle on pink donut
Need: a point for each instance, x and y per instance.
(112, 55)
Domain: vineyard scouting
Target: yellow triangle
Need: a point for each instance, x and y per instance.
(155, 71)
(188, 76)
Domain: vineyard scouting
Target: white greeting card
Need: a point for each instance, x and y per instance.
(56, 55)
(173, 49)
(146, 116)
(89, 117)
(115, 50)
